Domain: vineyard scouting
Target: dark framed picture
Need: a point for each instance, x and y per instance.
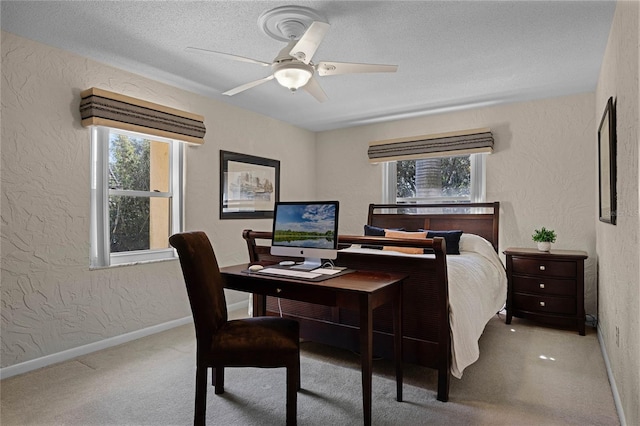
(607, 164)
(249, 186)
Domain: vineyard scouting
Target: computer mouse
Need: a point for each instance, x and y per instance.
(255, 268)
(287, 263)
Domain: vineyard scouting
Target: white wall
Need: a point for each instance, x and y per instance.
(617, 245)
(51, 301)
(541, 170)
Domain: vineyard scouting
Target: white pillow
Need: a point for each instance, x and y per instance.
(475, 243)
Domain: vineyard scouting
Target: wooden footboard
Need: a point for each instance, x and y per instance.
(426, 329)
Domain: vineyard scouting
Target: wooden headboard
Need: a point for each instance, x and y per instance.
(474, 218)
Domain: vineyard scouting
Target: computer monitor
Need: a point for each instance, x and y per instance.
(306, 229)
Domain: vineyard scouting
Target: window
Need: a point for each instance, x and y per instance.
(136, 192)
(432, 180)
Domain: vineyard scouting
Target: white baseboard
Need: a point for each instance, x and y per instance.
(34, 364)
(612, 381)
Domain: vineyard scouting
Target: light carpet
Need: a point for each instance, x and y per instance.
(526, 375)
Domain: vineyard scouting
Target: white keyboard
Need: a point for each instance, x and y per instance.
(288, 273)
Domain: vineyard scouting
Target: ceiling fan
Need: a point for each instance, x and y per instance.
(293, 67)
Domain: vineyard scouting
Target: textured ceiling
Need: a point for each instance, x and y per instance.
(451, 54)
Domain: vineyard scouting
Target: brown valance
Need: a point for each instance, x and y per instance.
(103, 108)
(437, 145)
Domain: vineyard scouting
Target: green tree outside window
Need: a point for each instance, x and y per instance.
(129, 169)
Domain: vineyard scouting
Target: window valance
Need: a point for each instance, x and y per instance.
(103, 108)
(437, 145)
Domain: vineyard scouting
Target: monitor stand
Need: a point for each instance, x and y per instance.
(309, 264)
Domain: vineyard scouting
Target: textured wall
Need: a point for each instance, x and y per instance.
(541, 170)
(617, 246)
(51, 301)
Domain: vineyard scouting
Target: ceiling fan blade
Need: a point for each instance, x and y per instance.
(314, 89)
(246, 86)
(305, 48)
(227, 56)
(325, 68)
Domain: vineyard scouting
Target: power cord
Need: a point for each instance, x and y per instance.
(328, 264)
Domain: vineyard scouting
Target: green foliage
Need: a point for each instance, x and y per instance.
(455, 176)
(406, 178)
(129, 169)
(544, 235)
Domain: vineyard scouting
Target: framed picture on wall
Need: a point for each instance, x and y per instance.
(249, 186)
(607, 164)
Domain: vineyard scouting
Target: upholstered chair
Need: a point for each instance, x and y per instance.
(250, 342)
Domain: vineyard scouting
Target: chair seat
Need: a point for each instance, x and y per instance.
(259, 341)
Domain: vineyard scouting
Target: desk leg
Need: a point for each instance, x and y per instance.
(259, 305)
(397, 342)
(366, 354)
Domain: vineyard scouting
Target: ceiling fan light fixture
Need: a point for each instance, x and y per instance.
(293, 75)
(303, 30)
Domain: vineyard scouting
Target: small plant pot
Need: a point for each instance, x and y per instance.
(544, 246)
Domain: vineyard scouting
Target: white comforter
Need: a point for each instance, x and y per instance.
(477, 290)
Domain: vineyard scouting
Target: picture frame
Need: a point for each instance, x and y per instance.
(249, 186)
(607, 164)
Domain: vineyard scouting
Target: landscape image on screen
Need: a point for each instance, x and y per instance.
(305, 225)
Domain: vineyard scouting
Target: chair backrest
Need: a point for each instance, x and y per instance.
(203, 280)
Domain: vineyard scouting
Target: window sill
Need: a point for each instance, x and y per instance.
(140, 262)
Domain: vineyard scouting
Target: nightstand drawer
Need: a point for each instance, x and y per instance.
(543, 267)
(544, 286)
(545, 304)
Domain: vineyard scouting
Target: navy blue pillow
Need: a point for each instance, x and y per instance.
(452, 238)
(374, 231)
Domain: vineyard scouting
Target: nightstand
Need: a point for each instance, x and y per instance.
(546, 286)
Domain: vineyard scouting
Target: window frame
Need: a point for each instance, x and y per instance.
(477, 191)
(100, 247)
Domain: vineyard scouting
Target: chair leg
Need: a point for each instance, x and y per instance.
(217, 379)
(201, 396)
(293, 380)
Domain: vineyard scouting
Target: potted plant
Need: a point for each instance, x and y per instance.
(544, 237)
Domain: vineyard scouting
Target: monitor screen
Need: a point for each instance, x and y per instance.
(306, 229)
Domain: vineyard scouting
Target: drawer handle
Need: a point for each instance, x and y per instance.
(541, 303)
(278, 290)
(541, 285)
(542, 268)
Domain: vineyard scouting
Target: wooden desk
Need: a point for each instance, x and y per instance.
(361, 291)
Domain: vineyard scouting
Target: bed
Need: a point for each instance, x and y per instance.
(448, 298)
